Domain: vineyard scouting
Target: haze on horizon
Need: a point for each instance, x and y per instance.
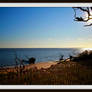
(42, 28)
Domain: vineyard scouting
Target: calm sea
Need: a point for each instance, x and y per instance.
(7, 56)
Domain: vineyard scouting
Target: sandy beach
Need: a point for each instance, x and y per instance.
(48, 73)
(30, 66)
(41, 65)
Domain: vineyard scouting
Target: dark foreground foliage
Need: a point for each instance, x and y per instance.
(85, 55)
(84, 58)
(65, 73)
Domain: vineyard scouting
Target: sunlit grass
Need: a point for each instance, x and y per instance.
(68, 73)
(64, 73)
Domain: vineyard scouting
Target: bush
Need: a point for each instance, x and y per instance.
(84, 58)
(85, 55)
(32, 60)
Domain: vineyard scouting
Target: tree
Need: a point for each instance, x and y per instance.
(87, 11)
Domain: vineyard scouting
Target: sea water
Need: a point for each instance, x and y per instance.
(8, 55)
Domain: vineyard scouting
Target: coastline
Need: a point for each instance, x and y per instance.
(38, 65)
(64, 72)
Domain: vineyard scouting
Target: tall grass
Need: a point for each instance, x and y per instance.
(68, 73)
(65, 73)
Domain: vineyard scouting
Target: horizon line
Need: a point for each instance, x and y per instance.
(41, 48)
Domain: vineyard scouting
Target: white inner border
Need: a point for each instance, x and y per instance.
(45, 5)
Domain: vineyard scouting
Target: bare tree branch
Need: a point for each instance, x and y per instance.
(88, 10)
(88, 25)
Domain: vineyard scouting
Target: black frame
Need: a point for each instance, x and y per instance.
(45, 1)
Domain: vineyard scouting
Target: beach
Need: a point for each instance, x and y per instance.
(39, 65)
(71, 71)
(48, 73)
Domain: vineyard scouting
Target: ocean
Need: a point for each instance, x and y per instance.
(7, 55)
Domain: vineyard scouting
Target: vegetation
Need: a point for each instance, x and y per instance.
(84, 58)
(65, 73)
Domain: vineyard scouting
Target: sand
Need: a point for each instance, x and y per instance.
(41, 65)
(30, 66)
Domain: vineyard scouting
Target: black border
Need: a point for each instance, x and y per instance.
(45, 1)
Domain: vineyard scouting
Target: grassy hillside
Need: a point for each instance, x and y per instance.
(64, 73)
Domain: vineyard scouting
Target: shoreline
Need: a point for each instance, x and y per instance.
(38, 65)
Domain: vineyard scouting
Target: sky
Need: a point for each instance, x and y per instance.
(42, 27)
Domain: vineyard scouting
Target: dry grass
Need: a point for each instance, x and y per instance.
(62, 73)
(65, 73)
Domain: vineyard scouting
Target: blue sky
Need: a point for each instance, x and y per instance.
(42, 28)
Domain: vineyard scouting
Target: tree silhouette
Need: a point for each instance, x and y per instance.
(85, 10)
